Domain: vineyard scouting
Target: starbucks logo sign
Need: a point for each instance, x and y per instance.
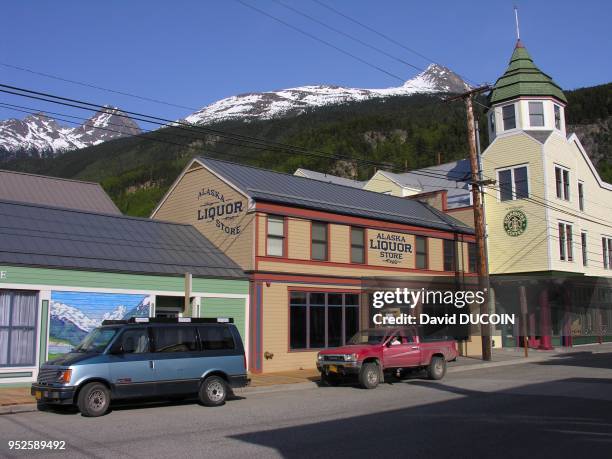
(515, 222)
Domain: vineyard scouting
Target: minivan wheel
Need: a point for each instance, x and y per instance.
(369, 375)
(93, 400)
(436, 368)
(213, 391)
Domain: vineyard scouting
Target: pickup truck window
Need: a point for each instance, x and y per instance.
(376, 336)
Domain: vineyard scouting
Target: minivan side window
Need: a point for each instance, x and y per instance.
(175, 339)
(216, 338)
(134, 341)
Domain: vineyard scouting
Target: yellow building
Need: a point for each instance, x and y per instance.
(548, 214)
(308, 247)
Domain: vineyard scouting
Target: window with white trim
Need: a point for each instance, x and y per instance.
(581, 195)
(536, 114)
(566, 252)
(583, 245)
(557, 117)
(492, 121)
(513, 183)
(509, 117)
(606, 250)
(562, 182)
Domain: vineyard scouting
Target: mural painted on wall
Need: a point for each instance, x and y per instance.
(75, 314)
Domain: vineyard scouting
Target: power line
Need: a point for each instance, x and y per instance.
(380, 34)
(320, 40)
(93, 86)
(358, 40)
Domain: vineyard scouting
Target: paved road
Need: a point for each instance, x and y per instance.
(555, 409)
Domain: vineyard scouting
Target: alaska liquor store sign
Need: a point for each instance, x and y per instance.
(385, 248)
(220, 210)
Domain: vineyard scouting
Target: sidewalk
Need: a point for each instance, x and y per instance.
(18, 399)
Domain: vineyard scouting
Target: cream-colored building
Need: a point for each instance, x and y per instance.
(549, 212)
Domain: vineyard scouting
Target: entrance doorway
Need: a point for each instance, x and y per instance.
(169, 306)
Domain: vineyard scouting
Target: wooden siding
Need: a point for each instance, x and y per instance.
(340, 243)
(435, 254)
(188, 201)
(529, 251)
(299, 238)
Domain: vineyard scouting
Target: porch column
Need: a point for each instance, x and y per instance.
(545, 325)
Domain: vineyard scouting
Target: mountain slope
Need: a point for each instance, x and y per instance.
(41, 135)
(403, 131)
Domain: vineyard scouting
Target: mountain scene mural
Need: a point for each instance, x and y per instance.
(75, 314)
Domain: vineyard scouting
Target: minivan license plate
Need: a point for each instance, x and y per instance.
(333, 369)
(38, 395)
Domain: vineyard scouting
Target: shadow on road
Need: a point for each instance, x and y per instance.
(521, 422)
(581, 359)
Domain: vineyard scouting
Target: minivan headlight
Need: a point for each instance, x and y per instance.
(319, 357)
(63, 376)
(350, 357)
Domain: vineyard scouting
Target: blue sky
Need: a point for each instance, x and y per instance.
(192, 53)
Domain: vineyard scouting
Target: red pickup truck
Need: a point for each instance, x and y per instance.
(371, 353)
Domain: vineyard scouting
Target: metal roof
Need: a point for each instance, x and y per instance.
(54, 191)
(452, 177)
(329, 178)
(35, 235)
(264, 185)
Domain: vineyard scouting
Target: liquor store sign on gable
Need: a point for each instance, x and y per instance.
(220, 210)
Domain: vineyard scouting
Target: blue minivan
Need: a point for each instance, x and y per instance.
(142, 357)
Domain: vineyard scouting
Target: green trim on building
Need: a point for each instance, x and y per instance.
(44, 329)
(104, 280)
(523, 78)
(17, 374)
(226, 307)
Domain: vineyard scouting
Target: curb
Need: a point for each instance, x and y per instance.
(14, 409)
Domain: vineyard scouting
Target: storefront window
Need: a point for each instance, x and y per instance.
(17, 328)
(321, 319)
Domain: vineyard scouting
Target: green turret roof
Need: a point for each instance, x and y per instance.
(523, 78)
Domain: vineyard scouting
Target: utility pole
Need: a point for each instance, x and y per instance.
(477, 182)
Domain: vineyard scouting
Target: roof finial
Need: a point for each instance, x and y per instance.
(516, 20)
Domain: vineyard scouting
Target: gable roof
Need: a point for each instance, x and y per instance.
(35, 235)
(265, 185)
(523, 78)
(54, 191)
(329, 178)
(452, 177)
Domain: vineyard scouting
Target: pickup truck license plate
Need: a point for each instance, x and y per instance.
(38, 395)
(332, 369)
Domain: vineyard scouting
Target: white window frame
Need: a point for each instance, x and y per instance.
(555, 108)
(606, 253)
(533, 102)
(565, 186)
(584, 247)
(515, 117)
(581, 199)
(512, 181)
(566, 250)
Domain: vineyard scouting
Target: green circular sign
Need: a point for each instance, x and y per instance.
(515, 222)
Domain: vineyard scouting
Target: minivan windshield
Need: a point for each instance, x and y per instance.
(97, 340)
(372, 336)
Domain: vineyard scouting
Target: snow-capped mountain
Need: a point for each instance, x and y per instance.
(293, 101)
(41, 134)
(117, 314)
(66, 313)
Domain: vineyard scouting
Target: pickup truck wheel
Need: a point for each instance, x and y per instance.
(213, 391)
(436, 368)
(93, 400)
(369, 375)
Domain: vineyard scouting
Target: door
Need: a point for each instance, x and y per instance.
(131, 364)
(401, 351)
(177, 359)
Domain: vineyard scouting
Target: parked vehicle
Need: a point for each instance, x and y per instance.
(372, 353)
(141, 357)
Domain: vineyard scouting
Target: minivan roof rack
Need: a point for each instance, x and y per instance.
(175, 320)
